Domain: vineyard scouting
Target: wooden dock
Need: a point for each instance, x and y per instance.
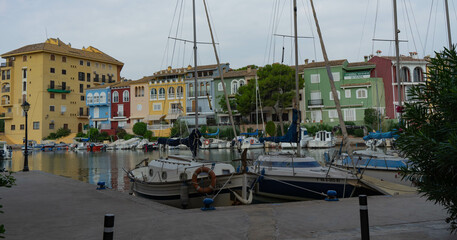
(387, 187)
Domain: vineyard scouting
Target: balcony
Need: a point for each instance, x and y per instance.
(175, 111)
(315, 102)
(104, 126)
(6, 89)
(192, 109)
(58, 89)
(200, 94)
(6, 116)
(82, 115)
(6, 64)
(119, 115)
(159, 126)
(6, 103)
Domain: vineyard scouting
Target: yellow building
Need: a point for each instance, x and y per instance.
(167, 100)
(52, 77)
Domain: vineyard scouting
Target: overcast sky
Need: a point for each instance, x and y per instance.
(136, 32)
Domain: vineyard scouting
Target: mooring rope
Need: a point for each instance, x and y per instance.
(223, 186)
(302, 188)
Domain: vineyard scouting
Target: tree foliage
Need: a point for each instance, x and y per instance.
(270, 128)
(223, 104)
(140, 128)
(179, 129)
(428, 134)
(245, 98)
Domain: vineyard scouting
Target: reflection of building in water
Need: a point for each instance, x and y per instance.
(5, 164)
(100, 168)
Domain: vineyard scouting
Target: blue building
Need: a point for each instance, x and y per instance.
(99, 102)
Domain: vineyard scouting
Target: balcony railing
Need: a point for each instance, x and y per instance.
(179, 95)
(6, 64)
(5, 89)
(192, 109)
(315, 102)
(6, 102)
(104, 126)
(200, 94)
(59, 89)
(161, 96)
(175, 111)
(118, 114)
(159, 126)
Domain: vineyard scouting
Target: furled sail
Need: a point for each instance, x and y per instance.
(193, 141)
(291, 134)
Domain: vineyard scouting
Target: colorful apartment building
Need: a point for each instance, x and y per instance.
(120, 105)
(233, 81)
(411, 73)
(139, 100)
(356, 88)
(52, 76)
(167, 99)
(98, 101)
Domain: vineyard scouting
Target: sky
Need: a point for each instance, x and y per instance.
(137, 32)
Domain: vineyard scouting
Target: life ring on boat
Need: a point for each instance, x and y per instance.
(197, 187)
(207, 142)
(252, 141)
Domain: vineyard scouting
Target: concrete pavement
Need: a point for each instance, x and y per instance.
(45, 206)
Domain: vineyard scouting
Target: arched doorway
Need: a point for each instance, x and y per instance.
(80, 127)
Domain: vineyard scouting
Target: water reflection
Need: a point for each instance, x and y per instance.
(109, 166)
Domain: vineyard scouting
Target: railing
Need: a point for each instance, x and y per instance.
(126, 126)
(5, 89)
(200, 94)
(159, 126)
(175, 111)
(6, 115)
(171, 95)
(118, 114)
(191, 109)
(315, 102)
(59, 87)
(179, 95)
(161, 96)
(6, 102)
(154, 97)
(6, 64)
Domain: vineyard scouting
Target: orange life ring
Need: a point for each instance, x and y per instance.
(197, 187)
(207, 141)
(252, 141)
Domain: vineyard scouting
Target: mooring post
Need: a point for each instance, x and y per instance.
(108, 232)
(364, 226)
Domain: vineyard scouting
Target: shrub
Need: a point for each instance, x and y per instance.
(81, 135)
(140, 128)
(358, 132)
(270, 128)
(148, 135)
(120, 133)
(62, 132)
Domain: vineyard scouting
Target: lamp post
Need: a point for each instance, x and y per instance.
(26, 106)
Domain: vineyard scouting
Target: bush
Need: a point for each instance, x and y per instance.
(120, 133)
(270, 128)
(140, 128)
(81, 135)
(62, 132)
(358, 132)
(179, 129)
(148, 135)
(128, 136)
(389, 125)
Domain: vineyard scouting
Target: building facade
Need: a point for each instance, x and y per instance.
(98, 101)
(51, 76)
(356, 89)
(139, 101)
(412, 72)
(120, 105)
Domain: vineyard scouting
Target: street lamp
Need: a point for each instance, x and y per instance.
(26, 106)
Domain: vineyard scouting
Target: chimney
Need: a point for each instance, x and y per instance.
(248, 69)
(378, 53)
(169, 68)
(312, 61)
(189, 67)
(366, 58)
(306, 61)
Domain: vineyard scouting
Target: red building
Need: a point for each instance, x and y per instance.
(120, 105)
(411, 73)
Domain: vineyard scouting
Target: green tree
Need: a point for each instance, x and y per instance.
(371, 118)
(179, 129)
(270, 128)
(245, 99)
(93, 134)
(224, 105)
(277, 88)
(428, 134)
(253, 66)
(140, 128)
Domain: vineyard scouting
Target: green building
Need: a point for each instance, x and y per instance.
(356, 89)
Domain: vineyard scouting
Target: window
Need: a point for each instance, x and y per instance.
(63, 109)
(242, 83)
(349, 114)
(64, 59)
(65, 126)
(81, 76)
(64, 96)
(208, 88)
(96, 78)
(179, 92)
(81, 88)
(24, 86)
(153, 94)
(21, 127)
(139, 107)
(96, 65)
(64, 72)
(234, 86)
(13, 127)
(88, 85)
(24, 73)
(171, 93)
(51, 108)
(126, 96)
(338, 93)
(81, 62)
(157, 106)
(36, 125)
(316, 116)
(51, 84)
(103, 65)
(88, 77)
(219, 87)
(24, 58)
(315, 78)
(51, 95)
(417, 77)
(332, 114)
(51, 126)
(8, 74)
(96, 112)
(336, 76)
(162, 93)
(102, 97)
(103, 78)
(53, 70)
(191, 90)
(89, 98)
(3, 75)
(361, 93)
(347, 93)
(88, 64)
(82, 98)
(53, 57)
(115, 97)
(96, 98)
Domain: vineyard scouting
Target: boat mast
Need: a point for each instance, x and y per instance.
(448, 25)
(195, 72)
(229, 108)
(297, 96)
(397, 56)
(256, 107)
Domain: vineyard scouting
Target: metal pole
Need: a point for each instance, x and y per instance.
(26, 152)
(397, 54)
(364, 226)
(108, 231)
(195, 68)
(297, 98)
(448, 24)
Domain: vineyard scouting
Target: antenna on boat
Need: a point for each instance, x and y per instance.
(195, 75)
(297, 98)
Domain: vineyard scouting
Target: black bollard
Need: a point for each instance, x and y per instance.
(364, 226)
(108, 232)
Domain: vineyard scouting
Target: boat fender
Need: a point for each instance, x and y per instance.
(331, 196)
(184, 195)
(252, 141)
(101, 186)
(212, 175)
(207, 202)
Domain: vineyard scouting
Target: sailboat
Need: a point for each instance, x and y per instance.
(295, 177)
(188, 181)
